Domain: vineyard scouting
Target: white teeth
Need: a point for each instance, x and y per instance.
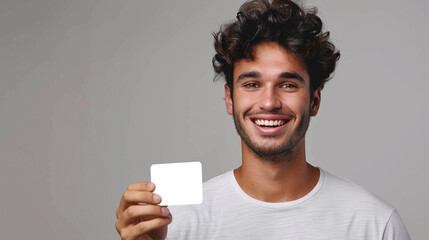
(269, 122)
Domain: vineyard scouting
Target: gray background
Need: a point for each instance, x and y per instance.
(94, 92)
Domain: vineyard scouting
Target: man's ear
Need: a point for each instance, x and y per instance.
(315, 102)
(228, 100)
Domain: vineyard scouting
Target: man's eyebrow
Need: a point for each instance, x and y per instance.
(252, 74)
(292, 75)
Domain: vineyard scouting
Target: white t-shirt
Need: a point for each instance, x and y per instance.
(336, 208)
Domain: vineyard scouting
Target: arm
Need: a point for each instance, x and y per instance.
(395, 228)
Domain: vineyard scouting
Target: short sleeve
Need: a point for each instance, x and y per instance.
(395, 228)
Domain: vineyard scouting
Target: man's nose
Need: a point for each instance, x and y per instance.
(269, 100)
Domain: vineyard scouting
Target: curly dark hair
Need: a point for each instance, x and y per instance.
(299, 31)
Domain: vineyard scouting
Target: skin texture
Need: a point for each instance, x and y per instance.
(267, 93)
(275, 84)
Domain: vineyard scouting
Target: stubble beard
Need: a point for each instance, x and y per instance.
(274, 154)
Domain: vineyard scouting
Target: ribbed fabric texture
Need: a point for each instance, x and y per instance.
(336, 208)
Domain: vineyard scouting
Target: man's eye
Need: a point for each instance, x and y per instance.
(251, 85)
(288, 85)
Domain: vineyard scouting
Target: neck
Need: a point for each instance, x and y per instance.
(282, 180)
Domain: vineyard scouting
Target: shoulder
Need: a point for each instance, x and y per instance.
(358, 209)
(343, 192)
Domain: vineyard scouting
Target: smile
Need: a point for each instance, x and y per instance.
(269, 123)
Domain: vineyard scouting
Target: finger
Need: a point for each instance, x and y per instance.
(131, 197)
(142, 186)
(134, 212)
(147, 226)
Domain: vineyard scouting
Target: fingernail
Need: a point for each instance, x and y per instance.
(165, 211)
(156, 198)
(150, 186)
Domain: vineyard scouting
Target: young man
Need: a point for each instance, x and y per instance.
(275, 60)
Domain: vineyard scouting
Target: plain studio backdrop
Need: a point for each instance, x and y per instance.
(94, 92)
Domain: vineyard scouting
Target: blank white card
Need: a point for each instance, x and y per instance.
(178, 183)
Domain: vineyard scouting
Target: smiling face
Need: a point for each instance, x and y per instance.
(271, 101)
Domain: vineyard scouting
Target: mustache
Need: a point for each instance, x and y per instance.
(248, 114)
